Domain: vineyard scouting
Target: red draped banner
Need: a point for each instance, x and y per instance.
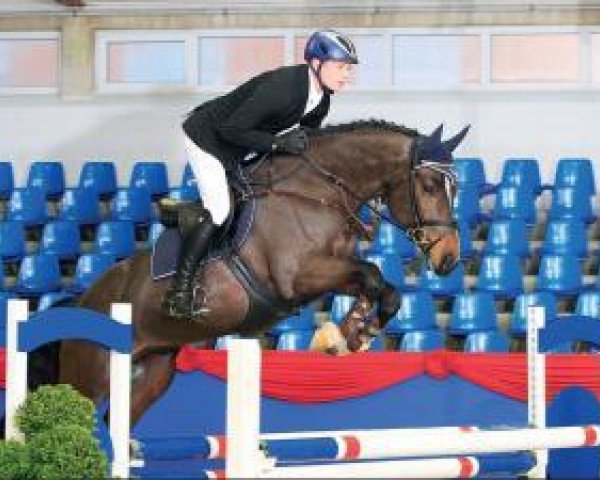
(308, 377)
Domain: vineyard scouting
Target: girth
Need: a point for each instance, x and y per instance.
(265, 308)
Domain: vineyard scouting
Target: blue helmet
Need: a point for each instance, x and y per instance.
(330, 45)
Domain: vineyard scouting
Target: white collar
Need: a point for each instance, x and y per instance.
(314, 95)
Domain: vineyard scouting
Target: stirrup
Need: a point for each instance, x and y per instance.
(201, 309)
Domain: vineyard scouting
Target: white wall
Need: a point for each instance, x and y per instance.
(131, 128)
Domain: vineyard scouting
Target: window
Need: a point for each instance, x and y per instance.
(29, 63)
(156, 62)
(232, 60)
(535, 58)
(436, 60)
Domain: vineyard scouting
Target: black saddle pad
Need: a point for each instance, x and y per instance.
(165, 252)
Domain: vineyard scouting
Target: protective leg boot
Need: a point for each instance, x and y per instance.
(179, 299)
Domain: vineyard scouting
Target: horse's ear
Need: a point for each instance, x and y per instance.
(451, 144)
(436, 136)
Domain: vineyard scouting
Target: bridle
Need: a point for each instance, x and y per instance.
(416, 232)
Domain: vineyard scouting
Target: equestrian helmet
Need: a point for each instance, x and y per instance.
(330, 45)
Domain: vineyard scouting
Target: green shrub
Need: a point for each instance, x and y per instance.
(67, 451)
(53, 405)
(14, 461)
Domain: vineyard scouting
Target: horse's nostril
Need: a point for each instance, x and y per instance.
(447, 262)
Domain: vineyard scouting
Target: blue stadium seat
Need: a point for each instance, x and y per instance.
(422, 341)
(116, 238)
(466, 208)
(186, 194)
(416, 313)
(486, 342)
(188, 180)
(12, 241)
(51, 299)
(153, 176)
(514, 202)
(304, 320)
(518, 318)
(38, 274)
(577, 173)
(588, 304)
(565, 237)
(49, 176)
(500, 275)
(156, 228)
(132, 204)
(522, 173)
(101, 176)
(62, 239)
(472, 312)
(466, 245)
(80, 205)
(390, 266)
(90, 266)
(560, 274)
(28, 205)
(7, 183)
(390, 240)
(295, 340)
(507, 237)
(442, 286)
(340, 306)
(569, 203)
(470, 173)
(365, 214)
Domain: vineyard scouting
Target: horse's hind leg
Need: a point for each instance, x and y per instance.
(152, 375)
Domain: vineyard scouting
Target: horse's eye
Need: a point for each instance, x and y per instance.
(429, 186)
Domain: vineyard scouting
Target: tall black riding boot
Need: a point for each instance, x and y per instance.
(179, 299)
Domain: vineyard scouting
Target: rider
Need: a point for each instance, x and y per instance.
(264, 114)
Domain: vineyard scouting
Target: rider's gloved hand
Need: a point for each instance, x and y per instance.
(294, 142)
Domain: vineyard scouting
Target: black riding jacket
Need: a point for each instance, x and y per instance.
(247, 118)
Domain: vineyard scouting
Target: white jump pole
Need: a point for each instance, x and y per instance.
(120, 398)
(16, 367)
(244, 459)
(536, 385)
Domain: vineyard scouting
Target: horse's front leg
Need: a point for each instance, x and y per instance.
(349, 276)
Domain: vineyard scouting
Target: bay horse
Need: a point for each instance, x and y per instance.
(302, 245)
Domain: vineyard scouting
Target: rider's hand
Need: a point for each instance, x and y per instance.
(294, 142)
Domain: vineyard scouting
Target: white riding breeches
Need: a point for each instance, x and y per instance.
(211, 181)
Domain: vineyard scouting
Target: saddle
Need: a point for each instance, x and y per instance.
(177, 218)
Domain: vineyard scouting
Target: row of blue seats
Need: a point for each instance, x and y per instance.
(512, 202)
(82, 205)
(499, 275)
(504, 237)
(518, 172)
(576, 172)
(49, 176)
(63, 239)
(413, 341)
(471, 312)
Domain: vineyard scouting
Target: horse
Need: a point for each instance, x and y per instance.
(301, 246)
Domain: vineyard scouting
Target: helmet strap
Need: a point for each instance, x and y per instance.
(317, 72)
